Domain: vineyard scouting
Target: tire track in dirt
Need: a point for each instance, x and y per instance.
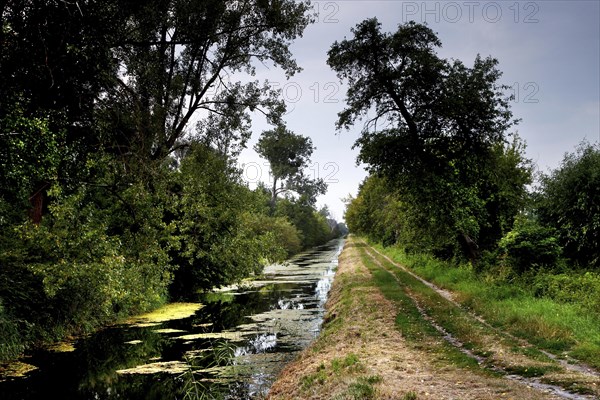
(569, 364)
(482, 361)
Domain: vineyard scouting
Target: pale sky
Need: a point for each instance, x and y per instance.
(549, 52)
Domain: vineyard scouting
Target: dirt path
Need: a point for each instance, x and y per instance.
(363, 354)
(500, 351)
(570, 365)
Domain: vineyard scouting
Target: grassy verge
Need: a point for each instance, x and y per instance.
(362, 387)
(513, 306)
(409, 319)
(450, 328)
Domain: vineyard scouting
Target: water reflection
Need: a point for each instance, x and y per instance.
(235, 345)
(290, 304)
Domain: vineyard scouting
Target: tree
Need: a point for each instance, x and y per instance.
(427, 101)
(569, 202)
(178, 58)
(98, 101)
(503, 184)
(530, 247)
(56, 56)
(126, 77)
(288, 154)
(285, 235)
(30, 154)
(215, 218)
(435, 122)
(379, 213)
(55, 62)
(312, 225)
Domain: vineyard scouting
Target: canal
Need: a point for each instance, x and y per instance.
(228, 344)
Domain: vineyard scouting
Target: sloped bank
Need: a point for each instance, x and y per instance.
(361, 354)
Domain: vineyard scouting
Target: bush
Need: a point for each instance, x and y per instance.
(529, 246)
(575, 288)
(93, 258)
(286, 238)
(312, 226)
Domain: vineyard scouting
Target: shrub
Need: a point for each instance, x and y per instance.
(529, 246)
(576, 288)
(285, 235)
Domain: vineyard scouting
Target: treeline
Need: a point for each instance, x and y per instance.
(447, 176)
(555, 227)
(112, 201)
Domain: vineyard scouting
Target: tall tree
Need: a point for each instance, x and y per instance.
(569, 201)
(435, 122)
(131, 78)
(55, 61)
(144, 69)
(179, 57)
(57, 56)
(288, 155)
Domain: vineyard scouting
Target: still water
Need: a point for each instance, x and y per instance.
(232, 347)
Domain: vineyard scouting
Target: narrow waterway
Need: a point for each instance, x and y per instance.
(232, 347)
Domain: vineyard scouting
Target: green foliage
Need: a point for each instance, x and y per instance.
(573, 287)
(214, 221)
(178, 58)
(90, 261)
(288, 155)
(363, 388)
(350, 363)
(530, 246)
(94, 123)
(377, 212)
(443, 147)
(312, 226)
(390, 215)
(12, 343)
(285, 235)
(503, 186)
(319, 377)
(59, 57)
(286, 152)
(30, 157)
(568, 202)
(75, 252)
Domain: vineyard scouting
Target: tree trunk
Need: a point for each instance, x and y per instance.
(37, 204)
(273, 196)
(470, 248)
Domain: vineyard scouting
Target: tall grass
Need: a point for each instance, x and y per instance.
(11, 344)
(517, 304)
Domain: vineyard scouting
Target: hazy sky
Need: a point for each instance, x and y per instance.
(549, 52)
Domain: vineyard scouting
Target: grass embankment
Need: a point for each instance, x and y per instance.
(382, 339)
(563, 328)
